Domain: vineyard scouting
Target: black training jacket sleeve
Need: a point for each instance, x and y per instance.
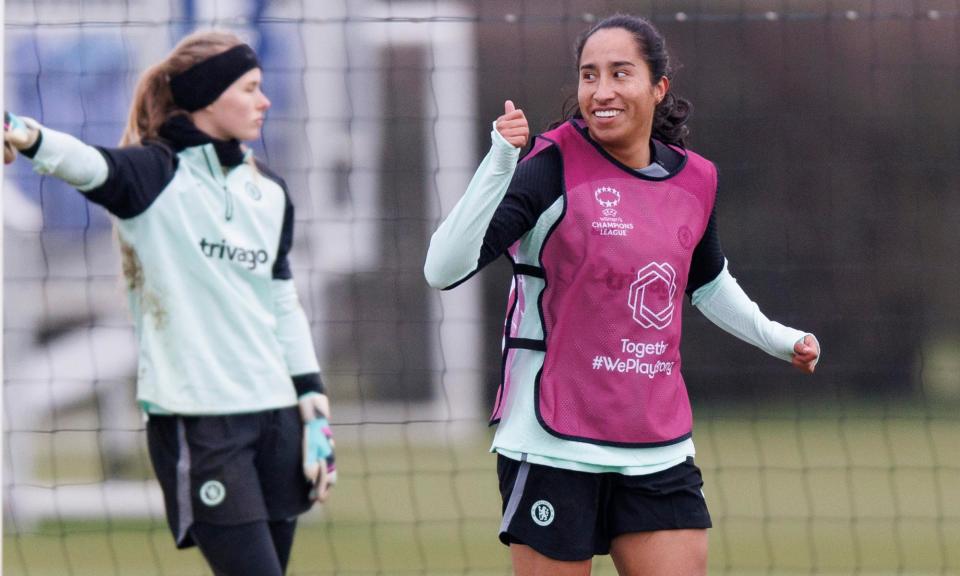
(708, 257)
(536, 185)
(136, 177)
(281, 266)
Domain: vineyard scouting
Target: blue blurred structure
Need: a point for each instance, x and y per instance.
(73, 81)
(80, 81)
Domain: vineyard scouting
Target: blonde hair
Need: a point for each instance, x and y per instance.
(152, 100)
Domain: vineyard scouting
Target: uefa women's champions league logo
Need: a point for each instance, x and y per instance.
(608, 198)
(610, 223)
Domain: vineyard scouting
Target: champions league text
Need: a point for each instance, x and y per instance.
(604, 228)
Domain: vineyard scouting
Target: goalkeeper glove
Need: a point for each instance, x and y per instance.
(319, 462)
(18, 134)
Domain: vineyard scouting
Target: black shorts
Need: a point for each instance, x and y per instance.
(228, 470)
(568, 515)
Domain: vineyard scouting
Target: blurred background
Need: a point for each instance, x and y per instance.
(836, 129)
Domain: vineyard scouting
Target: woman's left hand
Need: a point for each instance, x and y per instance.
(319, 462)
(806, 352)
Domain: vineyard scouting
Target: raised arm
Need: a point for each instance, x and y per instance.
(54, 153)
(125, 181)
(455, 246)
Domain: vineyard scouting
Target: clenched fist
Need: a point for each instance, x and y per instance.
(18, 134)
(513, 125)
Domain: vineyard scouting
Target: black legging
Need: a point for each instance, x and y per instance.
(254, 549)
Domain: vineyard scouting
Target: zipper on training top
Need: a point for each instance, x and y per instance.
(221, 178)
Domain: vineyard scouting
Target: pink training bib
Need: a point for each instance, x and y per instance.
(615, 268)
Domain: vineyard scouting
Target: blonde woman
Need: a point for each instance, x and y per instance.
(237, 413)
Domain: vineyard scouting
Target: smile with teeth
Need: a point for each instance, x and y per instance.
(606, 113)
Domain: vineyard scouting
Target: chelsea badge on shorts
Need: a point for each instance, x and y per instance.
(542, 513)
(212, 493)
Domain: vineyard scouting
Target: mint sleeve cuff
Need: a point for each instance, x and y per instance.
(455, 246)
(69, 159)
(725, 304)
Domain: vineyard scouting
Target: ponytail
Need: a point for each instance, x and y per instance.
(152, 106)
(152, 99)
(670, 120)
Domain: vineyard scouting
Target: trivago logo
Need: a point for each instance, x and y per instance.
(247, 257)
(651, 295)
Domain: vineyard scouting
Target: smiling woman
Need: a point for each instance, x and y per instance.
(237, 416)
(642, 68)
(608, 220)
(617, 95)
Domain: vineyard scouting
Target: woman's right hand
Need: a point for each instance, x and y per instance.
(513, 125)
(18, 134)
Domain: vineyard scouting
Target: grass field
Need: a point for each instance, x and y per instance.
(872, 493)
